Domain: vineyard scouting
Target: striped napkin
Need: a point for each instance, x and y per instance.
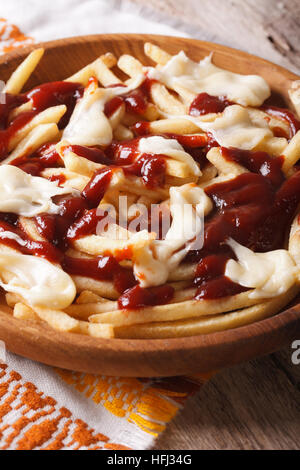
(42, 408)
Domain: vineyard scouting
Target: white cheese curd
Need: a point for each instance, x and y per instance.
(270, 274)
(154, 262)
(236, 128)
(27, 195)
(247, 90)
(88, 124)
(132, 84)
(169, 147)
(36, 280)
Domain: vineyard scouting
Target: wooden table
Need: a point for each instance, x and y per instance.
(255, 405)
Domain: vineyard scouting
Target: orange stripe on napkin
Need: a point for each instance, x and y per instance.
(38, 421)
(11, 37)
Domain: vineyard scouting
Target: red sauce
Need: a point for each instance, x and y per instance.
(97, 186)
(216, 288)
(59, 179)
(210, 280)
(141, 128)
(7, 134)
(45, 157)
(85, 225)
(205, 104)
(55, 228)
(26, 245)
(113, 105)
(54, 94)
(257, 162)
(151, 167)
(90, 153)
(9, 103)
(136, 101)
(284, 114)
(193, 141)
(254, 209)
(139, 297)
(123, 153)
(102, 268)
(42, 97)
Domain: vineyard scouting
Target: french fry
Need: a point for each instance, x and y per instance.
(84, 311)
(175, 311)
(224, 166)
(88, 296)
(294, 94)
(57, 319)
(122, 133)
(103, 288)
(23, 312)
(173, 126)
(105, 61)
(73, 179)
(20, 76)
(12, 299)
(48, 116)
(39, 136)
(96, 331)
(75, 163)
(166, 102)
(291, 153)
(129, 65)
(206, 325)
(157, 54)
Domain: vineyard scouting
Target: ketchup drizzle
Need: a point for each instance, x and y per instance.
(139, 297)
(286, 115)
(205, 104)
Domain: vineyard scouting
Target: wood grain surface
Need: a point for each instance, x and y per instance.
(255, 405)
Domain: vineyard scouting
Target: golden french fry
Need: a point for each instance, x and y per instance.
(72, 179)
(222, 165)
(157, 54)
(57, 319)
(291, 153)
(49, 116)
(166, 102)
(129, 65)
(106, 61)
(87, 297)
(39, 136)
(23, 312)
(294, 94)
(175, 311)
(206, 325)
(103, 288)
(20, 76)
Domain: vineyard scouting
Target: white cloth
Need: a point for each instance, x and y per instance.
(46, 20)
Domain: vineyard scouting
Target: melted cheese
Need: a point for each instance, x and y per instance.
(36, 280)
(169, 147)
(26, 195)
(236, 127)
(88, 124)
(247, 90)
(154, 262)
(270, 274)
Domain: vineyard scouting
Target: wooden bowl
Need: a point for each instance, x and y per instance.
(142, 358)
